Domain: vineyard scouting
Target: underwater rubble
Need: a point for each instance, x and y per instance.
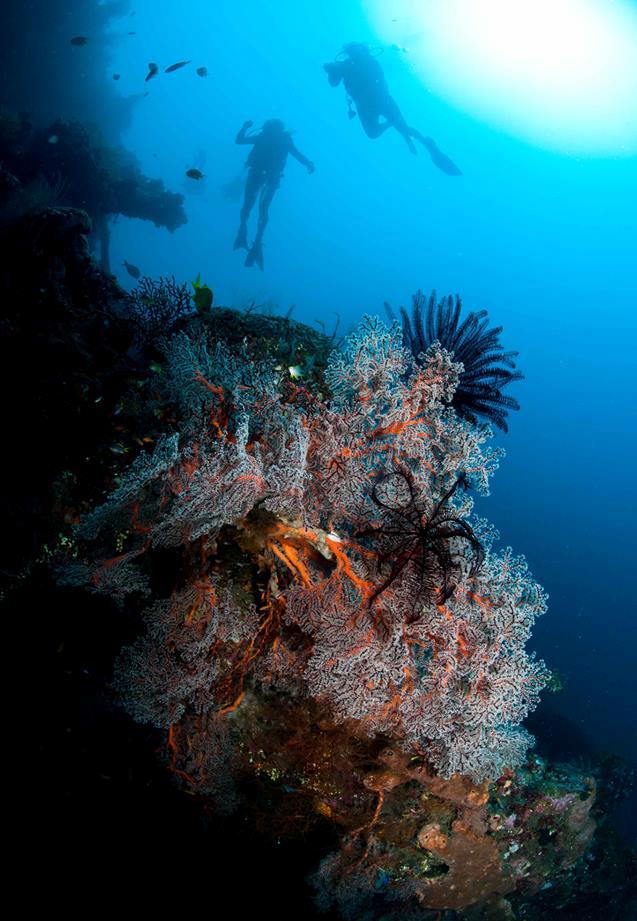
(188, 514)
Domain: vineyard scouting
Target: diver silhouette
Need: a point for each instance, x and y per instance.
(367, 91)
(266, 162)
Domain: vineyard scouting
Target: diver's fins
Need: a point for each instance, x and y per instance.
(234, 189)
(255, 255)
(241, 240)
(439, 159)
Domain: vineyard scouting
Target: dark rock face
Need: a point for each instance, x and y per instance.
(57, 241)
(65, 336)
(63, 353)
(78, 170)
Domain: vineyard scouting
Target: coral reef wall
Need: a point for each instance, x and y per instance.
(251, 519)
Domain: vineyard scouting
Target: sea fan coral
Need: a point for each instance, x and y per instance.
(328, 552)
(487, 368)
(157, 306)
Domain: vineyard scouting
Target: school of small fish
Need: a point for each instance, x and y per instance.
(202, 293)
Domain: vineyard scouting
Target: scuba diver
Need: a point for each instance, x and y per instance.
(265, 163)
(367, 90)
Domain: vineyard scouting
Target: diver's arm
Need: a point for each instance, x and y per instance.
(242, 137)
(296, 153)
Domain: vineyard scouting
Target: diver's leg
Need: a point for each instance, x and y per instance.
(396, 119)
(370, 121)
(267, 194)
(438, 158)
(253, 183)
(265, 200)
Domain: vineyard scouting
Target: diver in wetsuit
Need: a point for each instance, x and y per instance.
(367, 90)
(266, 162)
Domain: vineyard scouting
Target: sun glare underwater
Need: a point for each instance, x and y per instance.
(559, 73)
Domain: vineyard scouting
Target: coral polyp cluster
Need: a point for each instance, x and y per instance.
(328, 550)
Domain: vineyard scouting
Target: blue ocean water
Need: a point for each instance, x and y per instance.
(544, 239)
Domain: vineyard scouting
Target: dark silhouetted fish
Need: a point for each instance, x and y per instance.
(79, 40)
(116, 76)
(194, 174)
(202, 71)
(176, 66)
(153, 70)
(132, 270)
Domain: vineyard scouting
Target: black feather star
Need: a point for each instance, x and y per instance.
(487, 367)
(424, 540)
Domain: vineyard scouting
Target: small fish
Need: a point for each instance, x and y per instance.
(132, 270)
(79, 40)
(118, 449)
(53, 139)
(194, 174)
(132, 33)
(153, 70)
(116, 76)
(296, 371)
(203, 299)
(202, 71)
(203, 295)
(176, 66)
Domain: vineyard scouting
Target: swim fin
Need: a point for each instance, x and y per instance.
(439, 159)
(234, 189)
(241, 240)
(255, 255)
